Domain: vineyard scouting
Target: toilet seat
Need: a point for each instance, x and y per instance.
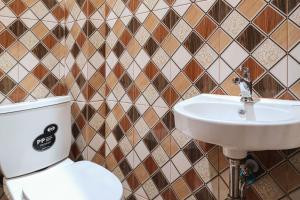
(81, 180)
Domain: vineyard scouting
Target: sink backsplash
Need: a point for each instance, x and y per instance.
(127, 63)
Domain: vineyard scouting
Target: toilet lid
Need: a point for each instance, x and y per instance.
(82, 180)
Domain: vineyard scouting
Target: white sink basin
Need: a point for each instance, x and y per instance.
(268, 124)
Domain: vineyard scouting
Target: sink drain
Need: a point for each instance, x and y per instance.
(242, 112)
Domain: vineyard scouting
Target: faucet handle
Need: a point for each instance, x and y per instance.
(246, 72)
(236, 80)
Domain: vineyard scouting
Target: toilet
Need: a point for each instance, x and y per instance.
(35, 141)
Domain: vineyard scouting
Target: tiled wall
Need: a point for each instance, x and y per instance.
(127, 62)
(161, 52)
(32, 50)
(85, 77)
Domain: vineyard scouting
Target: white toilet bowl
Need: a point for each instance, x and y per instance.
(67, 180)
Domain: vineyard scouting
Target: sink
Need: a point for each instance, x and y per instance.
(239, 127)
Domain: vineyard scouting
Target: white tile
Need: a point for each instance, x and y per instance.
(214, 71)
(293, 71)
(181, 30)
(180, 138)
(206, 56)
(142, 59)
(181, 162)
(268, 53)
(29, 61)
(150, 3)
(295, 17)
(181, 57)
(234, 24)
(225, 71)
(141, 150)
(170, 171)
(233, 3)
(160, 156)
(150, 189)
(205, 170)
(280, 71)
(205, 5)
(234, 55)
(160, 58)
(296, 52)
(7, 62)
(151, 94)
(111, 141)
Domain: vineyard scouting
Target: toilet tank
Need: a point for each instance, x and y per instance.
(34, 135)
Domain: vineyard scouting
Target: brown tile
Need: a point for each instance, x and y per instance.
(141, 173)
(219, 11)
(256, 70)
(170, 19)
(133, 181)
(125, 37)
(18, 7)
(160, 82)
(193, 43)
(206, 84)
(6, 39)
(125, 123)
(160, 181)
(285, 6)
(6, 85)
(193, 15)
(250, 8)
(206, 27)
(269, 158)
(268, 19)
(160, 131)
(250, 38)
(134, 25)
(40, 51)
(181, 189)
(150, 47)
(50, 81)
(17, 95)
(169, 194)
(150, 165)
(49, 41)
(118, 154)
(268, 87)
(193, 180)
(150, 141)
(193, 70)
(217, 158)
(40, 71)
(170, 96)
(125, 167)
(160, 33)
(286, 176)
(133, 5)
(204, 193)
(192, 152)
(18, 28)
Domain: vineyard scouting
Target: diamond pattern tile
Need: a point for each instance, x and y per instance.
(250, 38)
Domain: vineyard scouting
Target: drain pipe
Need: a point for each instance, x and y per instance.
(234, 180)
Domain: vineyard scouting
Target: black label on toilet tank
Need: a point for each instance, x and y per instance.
(47, 139)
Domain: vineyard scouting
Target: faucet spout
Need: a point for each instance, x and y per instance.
(245, 85)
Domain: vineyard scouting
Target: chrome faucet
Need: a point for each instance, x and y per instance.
(245, 85)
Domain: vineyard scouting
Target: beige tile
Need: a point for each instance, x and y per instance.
(250, 8)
